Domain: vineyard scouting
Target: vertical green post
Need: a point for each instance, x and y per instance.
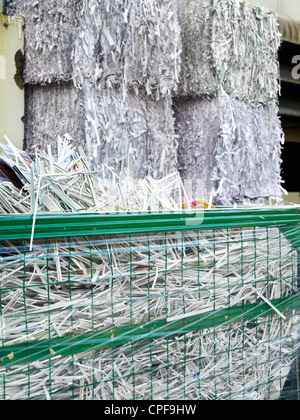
(2, 4)
(298, 359)
(292, 381)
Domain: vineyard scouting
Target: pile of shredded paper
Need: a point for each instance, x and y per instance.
(64, 182)
(111, 73)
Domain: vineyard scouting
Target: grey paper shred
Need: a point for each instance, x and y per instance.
(50, 30)
(229, 45)
(230, 148)
(51, 111)
(129, 44)
(134, 133)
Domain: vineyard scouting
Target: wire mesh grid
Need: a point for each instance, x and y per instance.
(179, 315)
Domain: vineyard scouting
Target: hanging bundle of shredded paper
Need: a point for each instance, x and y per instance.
(129, 44)
(51, 111)
(135, 127)
(127, 62)
(50, 29)
(229, 45)
(230, 148)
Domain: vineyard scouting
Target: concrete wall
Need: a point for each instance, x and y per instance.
(290, 8)
(12, 91)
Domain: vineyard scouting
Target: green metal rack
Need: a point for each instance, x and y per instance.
(107, 259)
(67, 225)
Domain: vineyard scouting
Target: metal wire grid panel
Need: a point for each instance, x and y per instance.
(192, 314)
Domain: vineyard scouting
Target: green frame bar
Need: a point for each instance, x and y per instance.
(49, 225)
(29, 352)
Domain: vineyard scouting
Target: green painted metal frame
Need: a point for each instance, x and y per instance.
(69, 225)
(2, 5)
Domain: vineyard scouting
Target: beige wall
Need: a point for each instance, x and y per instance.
(292, 198)
(289, 8)
(11, 95)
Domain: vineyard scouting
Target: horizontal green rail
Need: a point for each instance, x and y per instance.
(68, 225)
(114, 337)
